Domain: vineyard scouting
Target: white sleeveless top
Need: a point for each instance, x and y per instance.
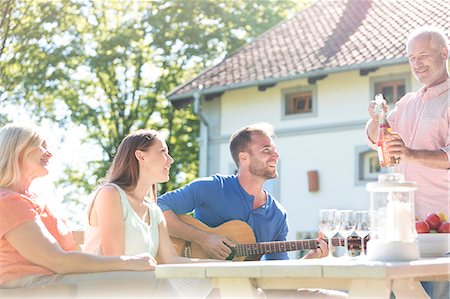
(139, 236)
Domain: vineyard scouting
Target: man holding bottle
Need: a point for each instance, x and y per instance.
(421, 128)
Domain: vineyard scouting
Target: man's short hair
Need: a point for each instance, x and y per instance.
(240, 139)
(437, 36)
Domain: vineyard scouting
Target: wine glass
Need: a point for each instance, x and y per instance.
(362, 227)
(346, 226)
(328, 225)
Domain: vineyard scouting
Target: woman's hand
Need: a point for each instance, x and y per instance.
(141, 262)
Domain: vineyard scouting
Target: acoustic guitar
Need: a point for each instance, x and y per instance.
(246, 246)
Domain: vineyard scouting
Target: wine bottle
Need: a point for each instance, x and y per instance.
(383, 130)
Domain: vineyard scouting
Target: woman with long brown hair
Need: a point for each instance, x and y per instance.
(123, 217)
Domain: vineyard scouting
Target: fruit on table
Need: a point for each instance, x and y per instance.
(433, 220)
(433, 223)
(422, 227)
(444, 227)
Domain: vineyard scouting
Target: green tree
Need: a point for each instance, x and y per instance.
(107, 66)
(6, 7)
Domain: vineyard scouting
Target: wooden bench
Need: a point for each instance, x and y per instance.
(55, 291)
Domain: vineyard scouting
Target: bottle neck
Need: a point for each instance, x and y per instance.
(381, 118)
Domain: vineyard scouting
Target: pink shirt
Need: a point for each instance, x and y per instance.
(423, 121)
(16, 209)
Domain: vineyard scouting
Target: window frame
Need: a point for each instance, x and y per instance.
(387, 80)
(362, 176)
(305, 97)
(299, 90)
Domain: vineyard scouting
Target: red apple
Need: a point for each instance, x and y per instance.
(422, 227)
(444, 227)
(433, 220)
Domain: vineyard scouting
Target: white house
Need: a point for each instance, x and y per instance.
(312, 77)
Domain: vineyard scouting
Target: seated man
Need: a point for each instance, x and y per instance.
(221, 198)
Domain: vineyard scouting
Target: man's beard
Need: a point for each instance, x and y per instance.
(258, 168)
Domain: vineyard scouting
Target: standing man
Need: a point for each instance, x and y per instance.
(221, 198)
(421, 125)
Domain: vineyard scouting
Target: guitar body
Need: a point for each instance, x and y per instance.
(239, 231)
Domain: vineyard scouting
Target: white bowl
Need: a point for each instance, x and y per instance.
(434, 244)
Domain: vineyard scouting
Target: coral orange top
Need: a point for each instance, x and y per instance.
(16, 209)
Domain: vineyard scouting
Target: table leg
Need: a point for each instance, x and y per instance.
(408, 289)
(236, 287)
(369, 288)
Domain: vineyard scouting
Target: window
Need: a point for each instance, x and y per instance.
(393, 87)
(367, 165)
(371, 167)
(392, 90)
(299, 101)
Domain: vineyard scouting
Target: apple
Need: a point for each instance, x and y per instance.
(444, 227)
(443, 216)
(433, 220)
(422, 227)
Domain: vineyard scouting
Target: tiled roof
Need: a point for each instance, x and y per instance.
(329, 36)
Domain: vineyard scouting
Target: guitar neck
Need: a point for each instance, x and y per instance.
(280, 246)
(246, 246)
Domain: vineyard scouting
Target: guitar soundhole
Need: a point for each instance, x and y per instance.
(232, 254)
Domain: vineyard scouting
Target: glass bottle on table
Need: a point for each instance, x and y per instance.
(383, 131)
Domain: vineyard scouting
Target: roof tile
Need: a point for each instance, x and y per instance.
(326, 36)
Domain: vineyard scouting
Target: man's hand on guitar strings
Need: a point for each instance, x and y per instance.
(217, 246)
(322, 244)
(320, 251)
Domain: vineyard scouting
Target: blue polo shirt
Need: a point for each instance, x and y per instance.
(218, 199)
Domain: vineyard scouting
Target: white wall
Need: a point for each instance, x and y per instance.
(342, 99)
(333, 156)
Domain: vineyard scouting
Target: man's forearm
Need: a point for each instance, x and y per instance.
(433, 159)
(181, 230)
(372, 130)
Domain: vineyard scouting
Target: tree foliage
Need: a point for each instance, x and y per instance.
(107, 66)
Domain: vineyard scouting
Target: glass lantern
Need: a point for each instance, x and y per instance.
(393, 235)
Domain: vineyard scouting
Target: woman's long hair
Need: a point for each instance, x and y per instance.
(124, 170)
(16, 142)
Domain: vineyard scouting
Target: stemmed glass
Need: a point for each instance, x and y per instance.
(362, 228)
(346, 226)
(328, 225)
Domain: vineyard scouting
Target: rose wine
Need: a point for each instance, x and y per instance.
(383, 130)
